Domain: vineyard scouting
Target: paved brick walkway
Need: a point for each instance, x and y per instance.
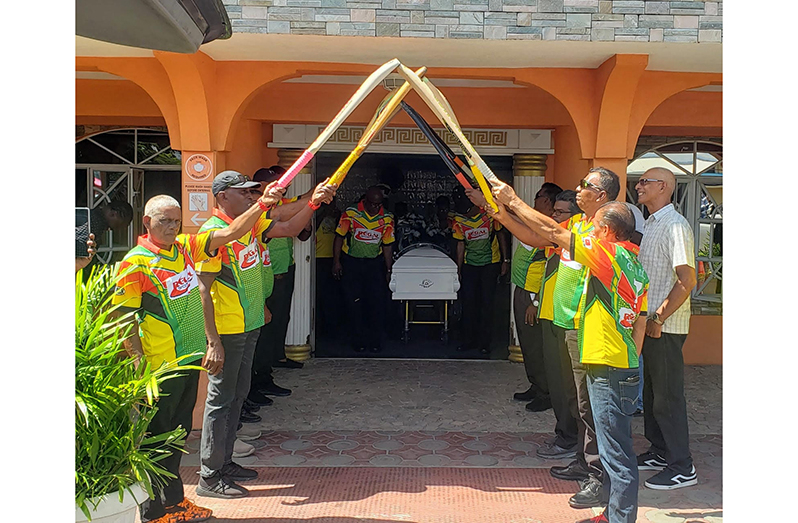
(435, 441)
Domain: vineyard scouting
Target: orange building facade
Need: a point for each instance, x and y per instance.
(228, 113)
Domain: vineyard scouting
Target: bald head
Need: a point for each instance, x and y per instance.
(655, 188)
(664, 174)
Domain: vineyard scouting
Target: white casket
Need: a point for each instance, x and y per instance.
(424, 273)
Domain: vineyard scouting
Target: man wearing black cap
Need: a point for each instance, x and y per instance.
(233, 289)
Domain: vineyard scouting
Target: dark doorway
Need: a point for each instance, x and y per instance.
(415, 181)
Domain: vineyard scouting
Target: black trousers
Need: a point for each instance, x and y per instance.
(477, 293)
(272, 335)
(530, 337)
(365, 293)
(175, 408)
(664, 406)
(328, 299)
(587, 452)
(560, 379)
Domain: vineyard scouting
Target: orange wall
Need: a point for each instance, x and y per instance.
(113, 98)
(569, 168)
(246, 155)
(704, 344)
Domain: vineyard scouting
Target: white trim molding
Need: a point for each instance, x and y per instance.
(409, 140)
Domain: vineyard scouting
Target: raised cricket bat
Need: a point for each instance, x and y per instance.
(371, 82)
(451, 160)
(444, 113)
(385, 112)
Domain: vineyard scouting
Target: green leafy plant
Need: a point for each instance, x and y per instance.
(115, 399)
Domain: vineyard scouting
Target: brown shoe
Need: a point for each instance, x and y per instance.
(185, 512)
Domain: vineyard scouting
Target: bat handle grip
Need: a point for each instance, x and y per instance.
(292, 171)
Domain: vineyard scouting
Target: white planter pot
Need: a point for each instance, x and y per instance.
(110, 510)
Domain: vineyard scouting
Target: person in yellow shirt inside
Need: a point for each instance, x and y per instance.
(159, 283)
(612, 311)
(233, 300)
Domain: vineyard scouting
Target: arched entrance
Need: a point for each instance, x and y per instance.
(698, 166)
(131, 165)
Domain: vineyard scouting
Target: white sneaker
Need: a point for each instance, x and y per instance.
(248, 432)
(242, 449)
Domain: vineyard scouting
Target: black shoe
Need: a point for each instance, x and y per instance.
(274, 390)
(651, 461)
(590, 496)
(218, 486)
(484, 351)
(554, 451)
(250, 406)
(574, 471)
(539, 404)
(375, 350)
(527, 395)
(235, 472)
(249, 417)
(669, 479)
(288, 364)
(360, 349)
(256, 399)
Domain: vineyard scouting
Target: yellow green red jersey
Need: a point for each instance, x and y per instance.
(527, 267)
(547, 284)
(239, 290)
(615, 293)
(364, 235)
(281, 250)
(162, 285)
(479, 234)
(571, 276)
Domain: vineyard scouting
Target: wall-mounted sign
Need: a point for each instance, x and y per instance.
(199, 167)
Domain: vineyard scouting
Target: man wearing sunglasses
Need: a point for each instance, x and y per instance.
(594, 190)
(233, 290)
(667, 253)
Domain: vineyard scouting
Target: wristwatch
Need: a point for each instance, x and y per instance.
(656, 318)
(534, 297)
(507, 260)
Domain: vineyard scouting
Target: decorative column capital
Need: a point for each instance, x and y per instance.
(529, 164)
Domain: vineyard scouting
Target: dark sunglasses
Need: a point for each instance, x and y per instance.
(645, 181)
(584, 184)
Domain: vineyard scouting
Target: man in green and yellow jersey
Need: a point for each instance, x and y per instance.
(362, 261)
(159, 282)
(481, 258)
(611, 326)
(527, 274)
(232, 288)
(597, 188)
(271, 343)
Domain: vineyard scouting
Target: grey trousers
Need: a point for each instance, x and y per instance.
(226, 393)
(587, 427)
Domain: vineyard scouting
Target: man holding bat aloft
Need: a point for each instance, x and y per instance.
(612, 325)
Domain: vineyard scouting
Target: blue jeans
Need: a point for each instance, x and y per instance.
(613, 398)
(226, 393)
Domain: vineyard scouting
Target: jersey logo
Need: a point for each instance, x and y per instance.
(181, 284)
(565, 258)
(587, 242)
(626, 317)
(248, 256)
(480, 233)
(368, 236)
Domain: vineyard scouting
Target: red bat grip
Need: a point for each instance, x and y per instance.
(286, 179)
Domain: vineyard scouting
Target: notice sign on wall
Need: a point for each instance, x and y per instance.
(198, 200)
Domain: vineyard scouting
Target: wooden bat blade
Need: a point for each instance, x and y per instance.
(365, 88)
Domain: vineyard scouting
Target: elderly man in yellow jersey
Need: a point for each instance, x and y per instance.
(232, 288)
(160, 284)
(612, 326)
(597, 188)
(667, 253)
(361, 260)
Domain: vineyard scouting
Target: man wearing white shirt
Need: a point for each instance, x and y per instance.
(668, 256)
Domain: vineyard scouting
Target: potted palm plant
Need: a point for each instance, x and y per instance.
(116, 460)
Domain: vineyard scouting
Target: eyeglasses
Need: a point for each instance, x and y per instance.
(558, 211)
(584, 184)
(645, 181)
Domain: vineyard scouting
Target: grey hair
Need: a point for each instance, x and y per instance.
(619, 218)
(570, 197)
(156, 204)
(608, 181)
